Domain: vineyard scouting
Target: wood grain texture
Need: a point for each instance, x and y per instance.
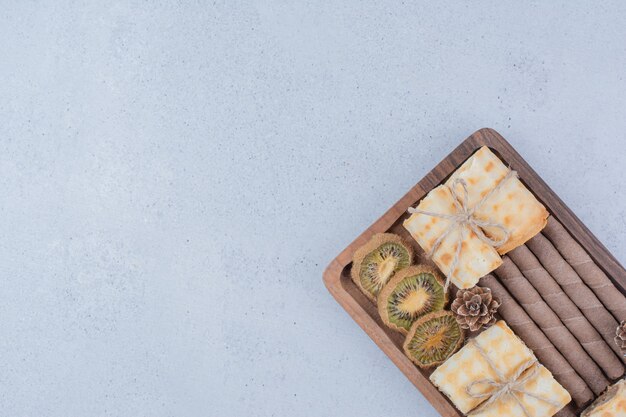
(364, 312)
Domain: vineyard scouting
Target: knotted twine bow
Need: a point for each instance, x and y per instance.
(464, 218)
(504, 387)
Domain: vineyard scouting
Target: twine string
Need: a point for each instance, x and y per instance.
(464, 219)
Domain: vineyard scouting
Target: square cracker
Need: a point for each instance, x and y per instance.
(477, 258)
(512, 205)
(508, 353)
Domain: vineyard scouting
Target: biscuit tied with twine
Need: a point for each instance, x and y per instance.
(464, 219)
(512, 387)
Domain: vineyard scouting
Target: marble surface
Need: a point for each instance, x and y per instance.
(176, 177)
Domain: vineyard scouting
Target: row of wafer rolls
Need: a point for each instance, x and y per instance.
(563, 318)
(578, 322)
(573, 285)
(586, 268)
(580, 277)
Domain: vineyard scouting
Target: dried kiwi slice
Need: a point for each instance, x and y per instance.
(410, 294)
(376, 261)
(433, 339)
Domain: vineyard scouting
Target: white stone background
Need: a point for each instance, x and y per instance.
(175, 177)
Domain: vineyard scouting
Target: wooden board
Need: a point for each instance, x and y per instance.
(363, 311)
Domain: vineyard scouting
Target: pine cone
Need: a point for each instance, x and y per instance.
(475, 308)
(620, 336)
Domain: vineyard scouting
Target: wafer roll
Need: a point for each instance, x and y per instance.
(586, 268)
(567, 311)
(575, 289)
(557, 333)
(527, 330)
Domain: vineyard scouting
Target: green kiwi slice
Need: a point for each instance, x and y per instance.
(375, 262)
(433, 339)
(410, 294)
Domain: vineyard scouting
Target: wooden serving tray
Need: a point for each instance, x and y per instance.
(364, 312)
